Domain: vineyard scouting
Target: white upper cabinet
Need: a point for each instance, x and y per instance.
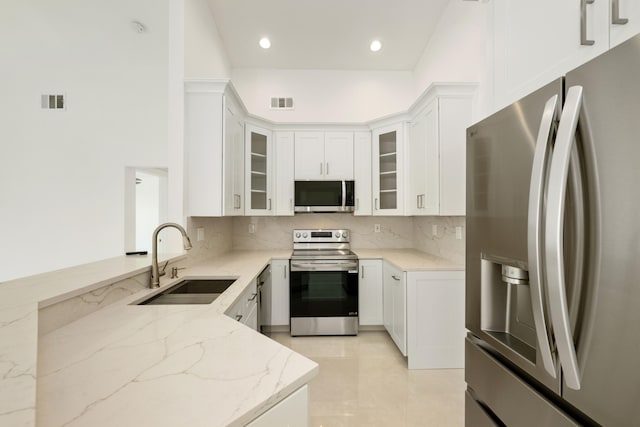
(387, 170)
(338, 155)
(538, 41)
(234, 155)
(362, 173)
(424, 163)
(437, 152)
(284, 175)
(259, 171)
(309, 155)
(214, 149)
(625, 21)
(324, 155)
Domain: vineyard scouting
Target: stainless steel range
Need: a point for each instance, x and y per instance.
(323, 284)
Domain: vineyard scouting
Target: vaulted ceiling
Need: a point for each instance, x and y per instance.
(326, 34)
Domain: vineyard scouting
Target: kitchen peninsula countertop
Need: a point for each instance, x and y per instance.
(131, 365)
(409, 259)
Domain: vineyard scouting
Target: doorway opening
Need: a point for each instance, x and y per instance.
(145, 206)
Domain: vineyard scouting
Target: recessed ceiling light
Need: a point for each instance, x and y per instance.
(375, 46)
(265, 43)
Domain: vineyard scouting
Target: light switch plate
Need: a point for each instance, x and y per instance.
(200, 231)
(434, 229)
(252, 228)
(376, 228)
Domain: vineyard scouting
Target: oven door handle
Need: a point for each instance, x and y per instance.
(325, 266)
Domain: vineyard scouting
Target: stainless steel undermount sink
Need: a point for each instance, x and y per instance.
(191, 291)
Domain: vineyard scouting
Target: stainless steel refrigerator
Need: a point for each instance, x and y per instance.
(553, 252)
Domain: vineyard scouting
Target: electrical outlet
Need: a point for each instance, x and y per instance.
(200, 231)
(459, 232)
(376, 228)
(252, 228)
(434, 229)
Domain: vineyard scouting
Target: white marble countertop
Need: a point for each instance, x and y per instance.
(133, 365)
(409, 259)
(149, 365)
(19, 303)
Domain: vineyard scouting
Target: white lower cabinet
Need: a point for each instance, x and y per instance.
(435, 319)
(370, 292)
(292, 411)
(245, 309)
(424, 315)
(395, 305)
(279, 292)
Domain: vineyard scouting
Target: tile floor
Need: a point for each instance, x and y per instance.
(364, 381)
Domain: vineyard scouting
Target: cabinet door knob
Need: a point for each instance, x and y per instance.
(395, 277)
(238, 317)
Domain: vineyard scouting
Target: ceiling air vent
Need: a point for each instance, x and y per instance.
(282, 103)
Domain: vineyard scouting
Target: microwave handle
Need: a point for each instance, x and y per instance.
(344, 191)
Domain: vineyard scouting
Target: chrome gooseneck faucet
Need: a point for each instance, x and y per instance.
(155, 273)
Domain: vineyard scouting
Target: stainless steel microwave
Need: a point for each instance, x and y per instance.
(324, 196)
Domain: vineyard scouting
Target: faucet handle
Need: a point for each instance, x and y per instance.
(162, 272)
(174, 272)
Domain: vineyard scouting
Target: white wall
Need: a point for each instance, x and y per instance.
(62, 172)
(325, 96)
(457, 52)
(205, 55)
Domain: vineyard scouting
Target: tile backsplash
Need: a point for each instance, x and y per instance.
(218, 237)
(275, 232)
(225, 234)
(444, 243)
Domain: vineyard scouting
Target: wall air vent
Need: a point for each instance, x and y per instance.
(52, 102)
(282, 103)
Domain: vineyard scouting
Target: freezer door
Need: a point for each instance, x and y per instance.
(504, 396)
(607, 340)
(501, 302)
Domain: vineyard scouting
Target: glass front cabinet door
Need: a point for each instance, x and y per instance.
(387, 159)
(259, 171)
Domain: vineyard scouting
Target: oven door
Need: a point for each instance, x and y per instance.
(324, 297)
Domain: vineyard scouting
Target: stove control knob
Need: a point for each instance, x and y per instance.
(344, 234)
(298, 234)
(337, 234)
(304, 235)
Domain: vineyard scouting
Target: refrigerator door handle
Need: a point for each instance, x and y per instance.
(554, 233)
(536, 198)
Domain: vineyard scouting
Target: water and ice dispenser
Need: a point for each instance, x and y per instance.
(506, 308)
